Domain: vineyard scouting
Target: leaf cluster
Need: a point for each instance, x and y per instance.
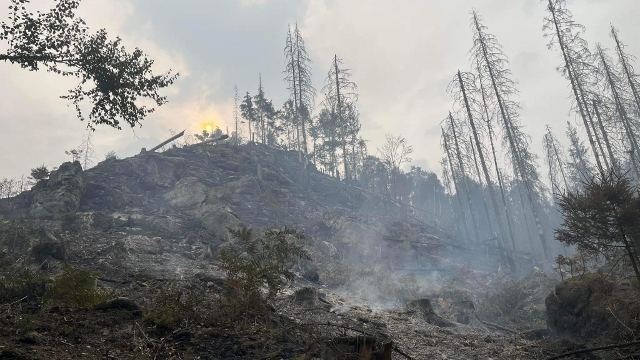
(74, 289)
(253, 262)
(603, 219)
(62, 43)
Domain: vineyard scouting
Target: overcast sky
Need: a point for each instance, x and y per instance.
(402, 54)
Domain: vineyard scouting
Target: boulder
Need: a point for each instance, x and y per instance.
(187, 193)
(309, 297)
(590, 306)
(60, 194)
(423, 308)
(216, 219)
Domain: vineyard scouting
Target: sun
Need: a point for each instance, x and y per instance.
(208, 127)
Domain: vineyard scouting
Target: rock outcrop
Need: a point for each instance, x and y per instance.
(60, 194)
(590, 306)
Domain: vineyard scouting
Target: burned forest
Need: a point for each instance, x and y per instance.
(319, 180)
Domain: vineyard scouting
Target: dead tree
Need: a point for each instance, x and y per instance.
(493, 64)
(494, 155)
(577, 68)
(461, 168)
(614, 87)
(454, 180)
(459, 91)
(579, 166)
(555, 162)
(625, 61)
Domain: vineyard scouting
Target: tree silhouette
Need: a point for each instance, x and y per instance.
(604, 218)
(61, 43)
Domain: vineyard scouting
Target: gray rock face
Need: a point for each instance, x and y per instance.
(60, 194)
(187, 193)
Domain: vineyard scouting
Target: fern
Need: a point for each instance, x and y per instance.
(252, 263)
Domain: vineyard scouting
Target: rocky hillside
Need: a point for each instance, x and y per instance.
(156, 221)
(162, 211)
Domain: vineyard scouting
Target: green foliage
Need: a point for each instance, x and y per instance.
(603, 219)
(254, 262)
(27, 284)
(75, 289)
(40, 173)
(60, 41)
(174, 308)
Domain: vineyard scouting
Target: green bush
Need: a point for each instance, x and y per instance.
(173, 309)
(75, 289)
(253, 262)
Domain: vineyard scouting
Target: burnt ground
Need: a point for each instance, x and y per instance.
(154, 222)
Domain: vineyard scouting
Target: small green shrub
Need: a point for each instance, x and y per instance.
(75, 289)
(173, 309)
(254, 262)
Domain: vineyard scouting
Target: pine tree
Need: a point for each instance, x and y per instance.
(248, 112)
(340, 98)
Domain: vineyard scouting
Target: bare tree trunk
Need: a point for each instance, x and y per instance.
(484, 200)
(464, 178)
(627, 71)
(502, 237)
(455, 185)
(495, 162)
(339, 103)
(622, 114)
(605, 136)
(574, 87)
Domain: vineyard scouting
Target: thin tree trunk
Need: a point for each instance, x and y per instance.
(627, 72)
(484, 200)
(495, 162)
(455, 185)
(464, 178)
(571, 75)
(339, 102)
(605, 136)
(622, 114)
(496, 209)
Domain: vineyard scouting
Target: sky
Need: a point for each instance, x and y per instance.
(402, 55)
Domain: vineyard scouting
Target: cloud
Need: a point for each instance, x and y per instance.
(404, 53)
(247, 3)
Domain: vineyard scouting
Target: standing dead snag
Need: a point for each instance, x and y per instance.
(459, 91)
(577, 68)
(492, 65)
(464, 176)
(341, 95)
(454, 179)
